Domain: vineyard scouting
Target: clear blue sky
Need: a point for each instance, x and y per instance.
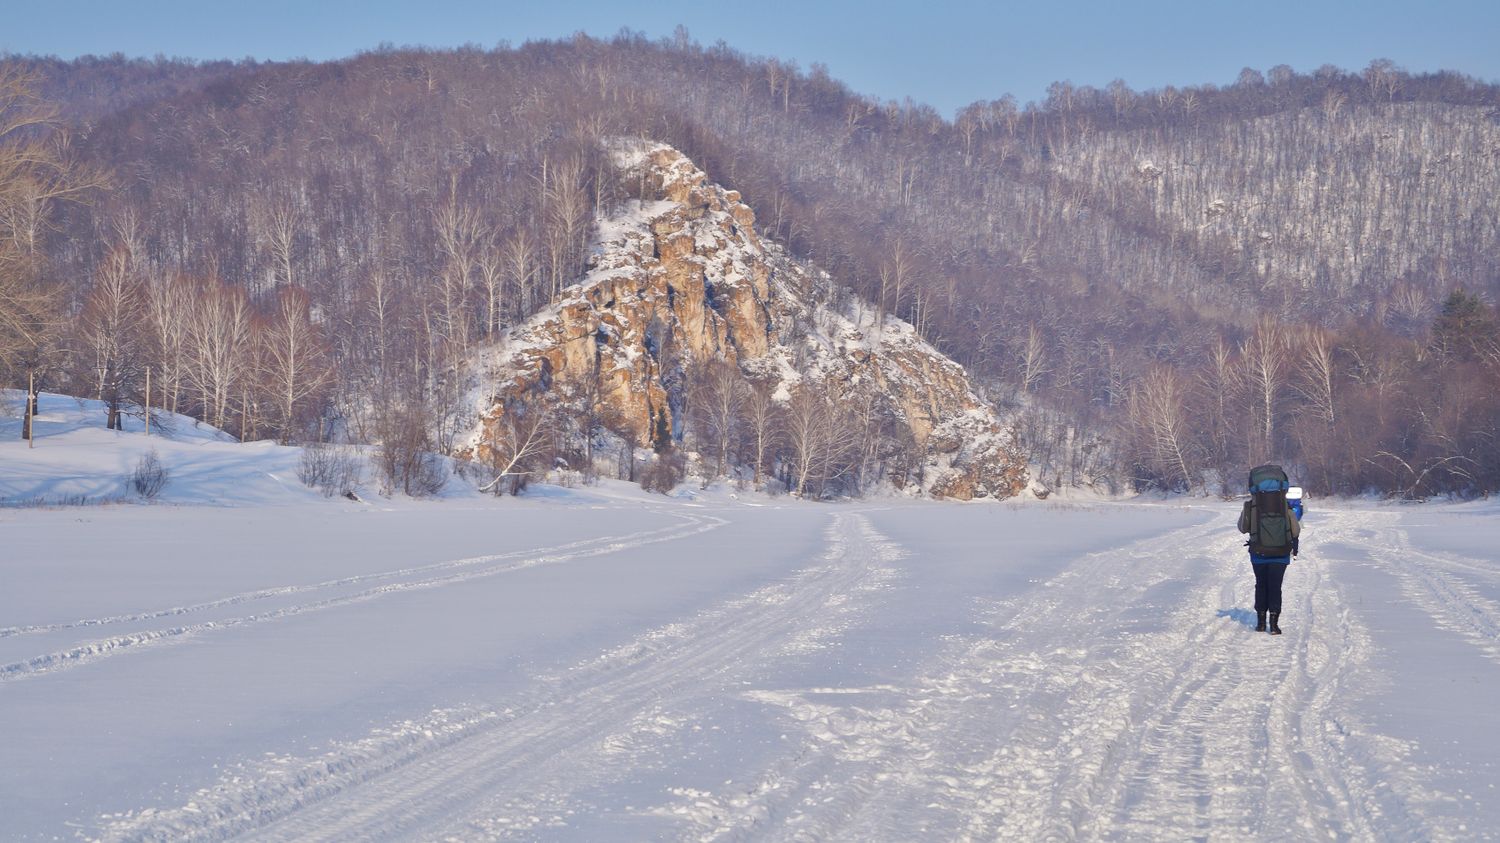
(943, 53)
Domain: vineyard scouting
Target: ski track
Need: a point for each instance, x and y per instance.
(1179, 724)
(1201, 730)
(92, 651)
(1008, 735)
(482, 774)
(278, 591)
(1428, 580)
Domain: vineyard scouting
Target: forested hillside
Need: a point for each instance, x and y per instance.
(1164, 286)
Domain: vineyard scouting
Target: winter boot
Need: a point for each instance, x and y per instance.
(1260, 621)
(1275, 629)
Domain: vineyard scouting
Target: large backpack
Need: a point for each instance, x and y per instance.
(1271, 526)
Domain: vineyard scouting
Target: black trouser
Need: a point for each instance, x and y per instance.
(1268, 585)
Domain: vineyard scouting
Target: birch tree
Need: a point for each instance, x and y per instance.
(804, 427)
(1032, 358)
(36, 174)
(294, 359)
(1158, 409)
(721, 400)
(219, 338)
(1316, 374)
(518, 256)
(281, 222)
(112, 334)
(515, 444)
(459, 239)
(820, 439)
(763, 431)
(1265, 358)
(169, 315)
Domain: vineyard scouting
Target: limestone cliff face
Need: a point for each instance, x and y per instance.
(681, 279)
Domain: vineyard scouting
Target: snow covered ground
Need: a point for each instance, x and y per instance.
(74, 459)
(601, 664)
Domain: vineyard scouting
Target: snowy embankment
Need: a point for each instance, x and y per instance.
(75, 460)
(600, 664)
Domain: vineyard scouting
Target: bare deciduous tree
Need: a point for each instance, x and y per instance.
(1265, 361)
(112, 334)
(170, 308)
(820, 439)
(721, 397)
(519, 260)
(568, 210)
(804, 426)
(516, 444)
(404, 456)
(1032, 362)
(281, 222)
(219, 347)
(294, 358)
(896, 275)
(1316, 374)
(36, 173)
(763, 429)
(460, 236)
(1158, 410)
(492, 281)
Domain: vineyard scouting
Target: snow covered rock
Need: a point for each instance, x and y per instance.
(678, 279)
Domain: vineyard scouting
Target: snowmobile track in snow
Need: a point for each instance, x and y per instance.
(434, 575)
(278, 591)
(1199, 729)
(456, 775)
(1124, 696)
(1428, 581)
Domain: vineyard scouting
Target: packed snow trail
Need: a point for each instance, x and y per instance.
(538, 744)
(427, 576)
(886, 672)
(1070, 718)
(278, 591)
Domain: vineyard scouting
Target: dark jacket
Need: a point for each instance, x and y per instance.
(1247, 520)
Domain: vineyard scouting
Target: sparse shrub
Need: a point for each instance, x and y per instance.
(60, 502)
(470, 471)
(163, 424)
(149, 477)
(331, 469)
(664, 473)
(405, 456)
(412, 471)
(565, 478)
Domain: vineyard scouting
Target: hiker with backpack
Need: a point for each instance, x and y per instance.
(1273, 528)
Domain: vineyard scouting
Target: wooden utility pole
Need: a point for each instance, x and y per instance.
(148, 400)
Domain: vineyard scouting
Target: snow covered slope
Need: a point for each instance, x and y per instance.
(607, 665)
(76, 460)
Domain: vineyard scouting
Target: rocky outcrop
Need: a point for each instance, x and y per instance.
(680, 278)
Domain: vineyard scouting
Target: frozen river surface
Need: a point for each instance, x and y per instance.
(599, 664)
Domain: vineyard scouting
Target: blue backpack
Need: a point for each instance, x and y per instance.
(1270, 523)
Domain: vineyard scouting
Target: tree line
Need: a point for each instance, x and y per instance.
(823, 440)
(1068, 252)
